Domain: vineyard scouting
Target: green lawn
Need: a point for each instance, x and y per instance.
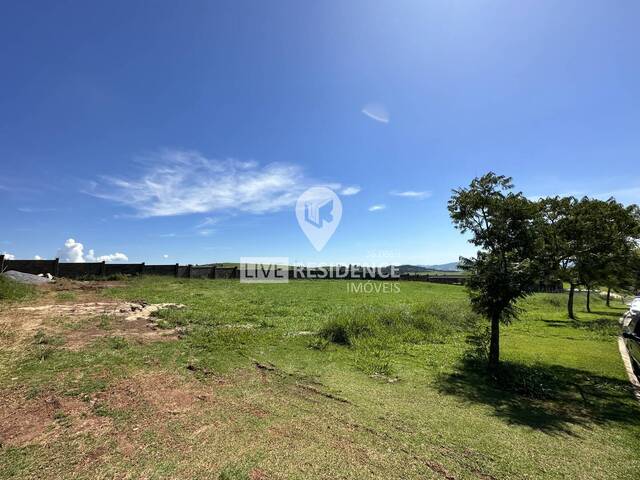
(309, 380)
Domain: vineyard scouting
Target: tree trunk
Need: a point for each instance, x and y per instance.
(572, 289)
(494, 346)
(589, 299)
(608, 296)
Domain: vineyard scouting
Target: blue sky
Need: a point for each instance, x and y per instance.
(183, 131)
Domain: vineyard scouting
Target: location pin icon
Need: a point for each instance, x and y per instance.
(318, 211)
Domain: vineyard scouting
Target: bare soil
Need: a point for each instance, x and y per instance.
(78, 313)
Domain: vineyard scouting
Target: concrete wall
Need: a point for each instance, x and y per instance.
(102, 269)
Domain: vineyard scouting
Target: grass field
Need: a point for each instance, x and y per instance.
(309, 380)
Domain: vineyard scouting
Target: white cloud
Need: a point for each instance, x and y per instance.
(377, 208)
(165, 256)
(411, 194)
(178, 182)
(377, 112)
(352, 190)
(113, 257)
(71, 252)
(74, 252)
(37, 257)
(8, 256)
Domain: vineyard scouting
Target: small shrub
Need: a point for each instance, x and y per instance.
(117, 343)
(344, 331)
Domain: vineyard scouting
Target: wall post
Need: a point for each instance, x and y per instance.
(177, 270)
(142, 268)
(103, 268)
(189, 271)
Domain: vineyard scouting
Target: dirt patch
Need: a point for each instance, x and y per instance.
(144, 400)
(130, 311)
(39, 420)
(79, 324)
(162, 393)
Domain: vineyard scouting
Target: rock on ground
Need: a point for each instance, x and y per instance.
(26, 278)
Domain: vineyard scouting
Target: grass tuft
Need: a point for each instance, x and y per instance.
(11, 291)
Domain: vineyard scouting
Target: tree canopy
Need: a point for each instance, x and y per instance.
(522, 243)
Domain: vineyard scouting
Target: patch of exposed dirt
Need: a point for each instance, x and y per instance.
(79, 324)
(66, 284)
(38, 420)
(150, 399)
(162, 393)
(128, 310)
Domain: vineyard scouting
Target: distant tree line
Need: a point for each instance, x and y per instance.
(583, 242)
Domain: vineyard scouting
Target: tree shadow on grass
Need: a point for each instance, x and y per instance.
(549, 398)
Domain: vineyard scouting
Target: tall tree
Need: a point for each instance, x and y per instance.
(502, 225)
(559, 233)
(586, 241)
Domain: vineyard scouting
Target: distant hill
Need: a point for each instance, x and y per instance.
(447, 267)
(430, 269)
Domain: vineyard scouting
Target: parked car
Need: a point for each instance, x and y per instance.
(631, 332)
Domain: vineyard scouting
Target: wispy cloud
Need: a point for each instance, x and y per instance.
(208, 221)
(177, 182)
(411, 194)
(35, 209)
(8, 256)
(376, 112)
(352, 190)
(377, 207)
